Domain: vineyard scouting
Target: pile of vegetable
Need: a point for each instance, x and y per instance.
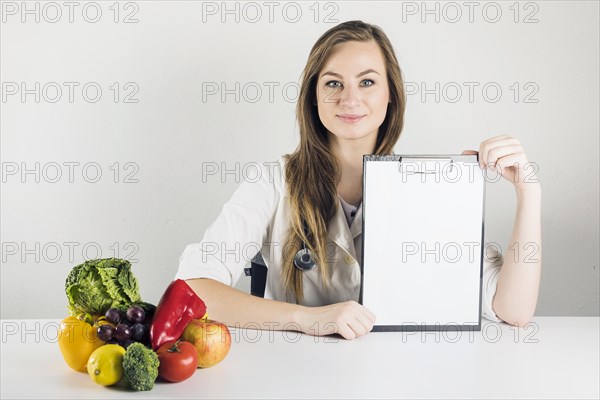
(118, 338)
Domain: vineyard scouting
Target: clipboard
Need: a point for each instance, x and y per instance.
(423, 236)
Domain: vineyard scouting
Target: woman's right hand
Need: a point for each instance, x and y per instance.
(349, 319)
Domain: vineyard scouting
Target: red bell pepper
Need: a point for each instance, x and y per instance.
(176, 308)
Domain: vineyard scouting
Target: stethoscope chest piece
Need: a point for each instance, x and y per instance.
(304, 259)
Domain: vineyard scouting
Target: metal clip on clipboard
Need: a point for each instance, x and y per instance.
(424, 165)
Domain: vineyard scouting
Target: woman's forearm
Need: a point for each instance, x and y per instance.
(238, 309)
(519, 279)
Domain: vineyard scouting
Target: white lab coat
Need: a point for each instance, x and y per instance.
(257, 218)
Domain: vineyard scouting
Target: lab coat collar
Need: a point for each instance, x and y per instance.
(343, 235)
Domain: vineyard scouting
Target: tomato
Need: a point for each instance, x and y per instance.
(178, 360)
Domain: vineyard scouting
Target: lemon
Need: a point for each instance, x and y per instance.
(105, 365)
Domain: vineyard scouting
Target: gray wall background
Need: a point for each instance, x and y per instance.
(544, 57)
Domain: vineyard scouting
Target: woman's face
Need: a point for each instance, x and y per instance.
(352, 90)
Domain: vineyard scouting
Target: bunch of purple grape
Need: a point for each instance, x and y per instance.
(127, 327)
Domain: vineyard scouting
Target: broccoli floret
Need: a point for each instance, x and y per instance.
(140, 367)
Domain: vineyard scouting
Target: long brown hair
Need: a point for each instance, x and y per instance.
(312, 172)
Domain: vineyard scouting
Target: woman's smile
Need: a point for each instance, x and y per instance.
(350, 118)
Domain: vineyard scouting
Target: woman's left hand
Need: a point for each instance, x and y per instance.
(506, 156)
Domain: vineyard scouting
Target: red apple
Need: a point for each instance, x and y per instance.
(211, 339)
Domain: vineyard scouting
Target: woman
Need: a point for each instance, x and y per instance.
(351, 103)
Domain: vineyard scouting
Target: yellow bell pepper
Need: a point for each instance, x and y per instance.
(77, 339)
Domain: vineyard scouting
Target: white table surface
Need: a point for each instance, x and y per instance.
(553, 357)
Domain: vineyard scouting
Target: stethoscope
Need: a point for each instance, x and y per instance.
(305, 259)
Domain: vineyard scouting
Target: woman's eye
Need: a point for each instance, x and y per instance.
(368, 82)
(333, 84)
